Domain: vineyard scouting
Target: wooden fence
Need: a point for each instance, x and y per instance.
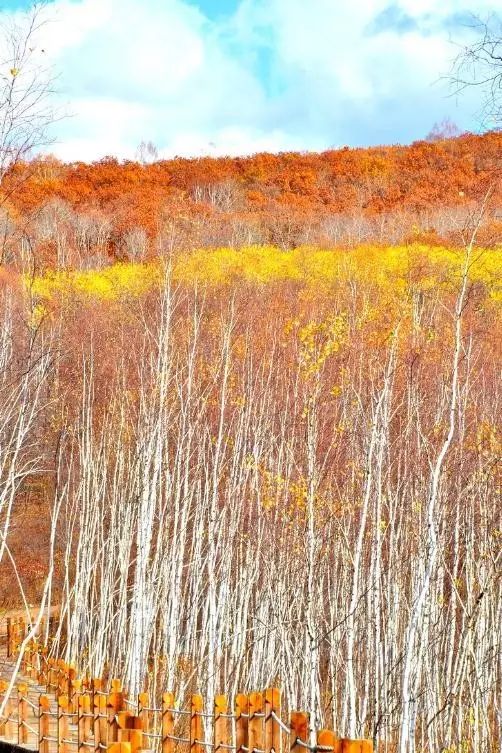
(84, 715)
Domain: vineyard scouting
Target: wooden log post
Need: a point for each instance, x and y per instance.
(326, 739)
(43, 724)
(3, 720)
(24, 659)
(119, 748)
(10, 640)
(76, 690)
(122, 729)
(10, 724)
(50, 675)
(221, 727)
(299, 724)
(20, 633)
(60, 678)
(130, 730)
(256, 723)
(273, 734)
(167, 723)
(22, 713)
(136, 734)
(31, 667)
(84, 722)
(43, 675)
(100, 722)
(115, 704)
(241, 722)
(196, 726)
(356, 746)
(71, 689)
(88, 711)
(143, 713)
(63, 724)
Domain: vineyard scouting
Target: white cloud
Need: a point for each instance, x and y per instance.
(278, 74)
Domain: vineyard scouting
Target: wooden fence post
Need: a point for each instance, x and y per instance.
(43, 677)
(299, 724)
(221, 726)
(241, 722)
(327, 739)
(9, 728)
(196, 726)
(71, 678)
(9, 637)
(100, 722)
(143, 713)
(22, 713)
(83, 721)
(89, 718)
(43, 724)
(63, 723)
(356, 746)
(76, 690)
(167, 722)
(272, 729)
(130, 730)
(3, 692)
(115, 704)
(256, 723)
(119, 748)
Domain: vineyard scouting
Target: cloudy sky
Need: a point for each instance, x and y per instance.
(240, 76)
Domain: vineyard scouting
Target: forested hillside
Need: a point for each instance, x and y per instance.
(81, 215)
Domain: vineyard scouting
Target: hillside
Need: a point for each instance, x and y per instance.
(88, 214)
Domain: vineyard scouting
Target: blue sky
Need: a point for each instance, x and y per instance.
(239, 76)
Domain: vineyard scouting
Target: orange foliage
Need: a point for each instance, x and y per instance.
(288, 198)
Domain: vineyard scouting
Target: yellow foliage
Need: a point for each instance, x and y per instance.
(398, 270)
(109, 283)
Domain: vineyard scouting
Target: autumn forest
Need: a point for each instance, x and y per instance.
(249, 428)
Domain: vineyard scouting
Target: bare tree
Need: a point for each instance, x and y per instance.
(147, 152)
(479, 64)
(26, 86)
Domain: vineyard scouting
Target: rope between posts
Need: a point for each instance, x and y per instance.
(25, 724)
(203, 742)
(87, 745)
(69, 742)
(177, 739)
(151, 708)
(30, 703)
(152, 734)
(307, 746)
(49, 739)
(281, 724)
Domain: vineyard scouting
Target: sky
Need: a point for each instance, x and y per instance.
(218, 77)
